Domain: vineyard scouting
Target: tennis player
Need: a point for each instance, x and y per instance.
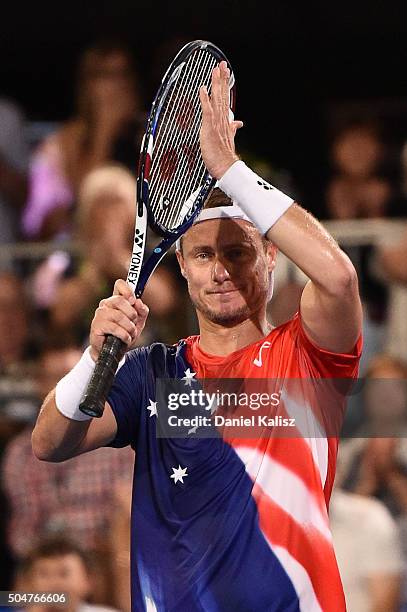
(227, 524)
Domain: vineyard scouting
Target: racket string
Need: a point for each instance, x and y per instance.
(186, 140)
(198, 166)
(190, 145)
(181, 187)
(173, 104)
(176, 101)
(177, 172)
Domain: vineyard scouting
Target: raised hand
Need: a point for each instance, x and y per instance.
(218, 131)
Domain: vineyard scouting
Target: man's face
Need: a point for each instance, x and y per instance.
(227, 267)
(61, 574)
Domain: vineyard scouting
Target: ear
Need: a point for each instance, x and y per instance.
(271, 253)
(181, 263)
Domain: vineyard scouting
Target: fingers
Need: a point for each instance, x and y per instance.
(224, 80)
(218, 127)
(220, 94)
(220, 87)
(205, 101)
(142, 314)
(122, 315)
(141, 309)
(216, 92)
(124, 289)
(118, 302)
(121, 321)
(117, 310)
(236, 125)
(116, 328)
(223, 67)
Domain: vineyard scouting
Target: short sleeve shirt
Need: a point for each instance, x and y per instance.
(234, 522)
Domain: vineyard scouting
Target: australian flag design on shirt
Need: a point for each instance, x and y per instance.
(196, 540)
(221, 525)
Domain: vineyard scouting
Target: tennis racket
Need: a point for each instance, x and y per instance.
(172, 186)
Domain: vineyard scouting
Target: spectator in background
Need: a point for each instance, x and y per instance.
(375, 462)
(14, 335)
(368, 550)
(358, 188)
(13, 166)
(59, 565)
(120, 546)
(76, 496)
(391, 261)
(16, 370)
(106, 212)
(107, 126)
(105, 226)
(365, 185)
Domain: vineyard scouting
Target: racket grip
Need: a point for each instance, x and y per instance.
(93, 401)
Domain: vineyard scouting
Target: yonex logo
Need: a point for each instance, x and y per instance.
(265, 185)
(138, 238)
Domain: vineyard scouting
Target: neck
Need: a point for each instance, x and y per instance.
(217, 339)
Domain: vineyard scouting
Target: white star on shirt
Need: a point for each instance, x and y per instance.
(192, 430)
(188, 377)
(179, 474)
(152, 408)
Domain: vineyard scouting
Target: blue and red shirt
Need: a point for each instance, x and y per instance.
(229, 523)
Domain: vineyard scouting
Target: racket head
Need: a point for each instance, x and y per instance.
(173, 183)
(166, 135)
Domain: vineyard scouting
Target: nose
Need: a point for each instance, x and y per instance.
(219, 272)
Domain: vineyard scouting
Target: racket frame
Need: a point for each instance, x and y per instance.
(139, 274)
(113, 349)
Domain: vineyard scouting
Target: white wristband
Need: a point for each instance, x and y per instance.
(263, 203)
(70, 389)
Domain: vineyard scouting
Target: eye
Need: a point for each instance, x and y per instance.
(202, 256)
(236, 253)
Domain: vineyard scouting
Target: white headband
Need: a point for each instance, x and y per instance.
(227, 212)
(219, 212)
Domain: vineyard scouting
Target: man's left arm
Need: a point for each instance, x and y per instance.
(331, 310)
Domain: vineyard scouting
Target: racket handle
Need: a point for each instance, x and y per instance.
(93, 401)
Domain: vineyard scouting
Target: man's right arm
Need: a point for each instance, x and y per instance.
(57, 437)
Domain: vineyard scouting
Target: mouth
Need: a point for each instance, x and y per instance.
(223, 291)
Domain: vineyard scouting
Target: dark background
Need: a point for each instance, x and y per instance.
(294, 62)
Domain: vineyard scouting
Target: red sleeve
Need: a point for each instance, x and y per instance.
(326, 364)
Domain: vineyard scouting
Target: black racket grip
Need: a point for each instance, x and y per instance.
(93, 402)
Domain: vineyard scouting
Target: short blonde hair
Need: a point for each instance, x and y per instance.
(113, 182)
(217, 199)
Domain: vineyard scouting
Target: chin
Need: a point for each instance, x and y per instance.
(225, 315)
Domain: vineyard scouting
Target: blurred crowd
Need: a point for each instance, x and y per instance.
(68, 202)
